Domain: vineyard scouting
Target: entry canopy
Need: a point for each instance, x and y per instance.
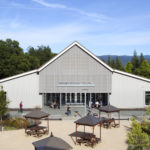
(51, 143)
(36, 114)
(89, 120)
(109, 109)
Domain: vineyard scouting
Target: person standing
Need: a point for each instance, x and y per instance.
(97, 104)
(21, 105)
(101, 103)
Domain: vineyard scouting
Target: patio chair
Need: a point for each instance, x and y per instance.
(114, 123)
(93, 140)
(80, 141)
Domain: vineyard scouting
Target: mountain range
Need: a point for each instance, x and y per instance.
(123, 58)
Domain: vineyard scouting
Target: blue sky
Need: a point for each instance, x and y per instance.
(102, 26)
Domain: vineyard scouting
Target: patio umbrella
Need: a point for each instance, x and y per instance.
(51, 143)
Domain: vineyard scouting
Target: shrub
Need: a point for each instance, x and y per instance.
(137, 139)
(17, 123)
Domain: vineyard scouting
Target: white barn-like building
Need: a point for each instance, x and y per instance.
(73, 76)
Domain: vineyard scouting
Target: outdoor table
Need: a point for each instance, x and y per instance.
(107, 122)
(88, 139)
(37, 130)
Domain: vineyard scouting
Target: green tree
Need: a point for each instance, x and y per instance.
(113, 64)
(33, 61)
(135, 61)
(141, 58)
(109, 61)
(43, 53)
(118, 64)
(3, 103)
(148, 110)
(144, 69)
(128, 67)
(137, 139)
(12, 59)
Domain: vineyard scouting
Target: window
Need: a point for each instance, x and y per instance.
(147, 98)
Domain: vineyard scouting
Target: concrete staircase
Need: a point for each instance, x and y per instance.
(76, 112)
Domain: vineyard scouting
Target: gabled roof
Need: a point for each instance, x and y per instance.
(131, 75)
(89, 120)
(109, 109)
(18, 75)
(52, 143)
(88, 52)
(36, 114)
(83, 48)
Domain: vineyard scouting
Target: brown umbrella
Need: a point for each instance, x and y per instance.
(51, 143)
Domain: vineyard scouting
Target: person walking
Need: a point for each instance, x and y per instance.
(21, 105)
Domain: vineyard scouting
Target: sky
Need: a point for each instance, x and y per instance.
(105, 27)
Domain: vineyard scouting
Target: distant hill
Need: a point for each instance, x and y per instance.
(124, 58)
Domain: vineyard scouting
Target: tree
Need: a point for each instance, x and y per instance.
(3, 103)
(135, 61)
(118, 64)
(141, 58)
(109, 61)
(43, 53)
(33, 61)
(113, 65)
(13, 60)
(128, 67)
(137, 139)
(144, 69)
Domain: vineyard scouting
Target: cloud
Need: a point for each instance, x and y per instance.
(95, 16)
(60, 36)
(49, 4)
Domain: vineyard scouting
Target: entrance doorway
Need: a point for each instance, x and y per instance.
(75, 98)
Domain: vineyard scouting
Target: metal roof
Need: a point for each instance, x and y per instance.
(36, 114)
(52, 143)
(83, 48)
(109, 109)
(89, 120)
(88, 52)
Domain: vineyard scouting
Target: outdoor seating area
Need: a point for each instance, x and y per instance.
(63, 129)
(35, 129)
(109, 122)
(89, 139)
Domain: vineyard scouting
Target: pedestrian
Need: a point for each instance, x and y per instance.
(68, 110)
(101, 103)
(21, 105)
(97, 104)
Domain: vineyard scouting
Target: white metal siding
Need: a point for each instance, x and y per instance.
(75, 65)
(128, 92)
(25, 89)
